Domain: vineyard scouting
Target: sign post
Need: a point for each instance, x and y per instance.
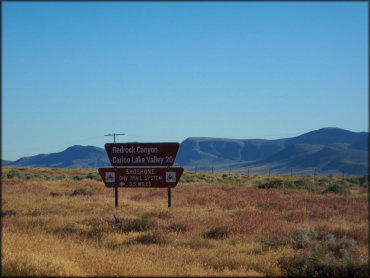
(116, 196)
(141, 165)
(169, 197)
(115, 191)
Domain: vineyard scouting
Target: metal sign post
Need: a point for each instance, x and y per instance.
(169, 197)
(116, 187)
(116, 196)
(116, 191)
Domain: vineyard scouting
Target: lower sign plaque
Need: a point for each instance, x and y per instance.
(141, 177)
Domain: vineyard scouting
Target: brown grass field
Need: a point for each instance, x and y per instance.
(59, 222)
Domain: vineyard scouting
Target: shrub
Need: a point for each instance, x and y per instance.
(329, 240)
(352, 181)
(289, 184)
(54, 194)
(93, 176)
(161, 214)
(275, 183)
(77, 178)
(8, 213)
(276, 241)
(46, 177)
(14, 173)
(338, 187)
(80, 191)
(178, 227)
(96, 228)
(50, 177)
(303, 237)
(311, 267)
(152, 237)
(144, 218)
(61, 177)
(334, 188)
(364, 181)
(217, 233)
(327, 257)
(21, 175)
(304, 182)
(227, 179)
(30, 176)
(323, 183)
(34, 213)
(198, 242)
(189, 178)
(143, 223)
(348, 241)
(91, 228)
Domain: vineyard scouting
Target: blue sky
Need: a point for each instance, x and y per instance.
(166, 71)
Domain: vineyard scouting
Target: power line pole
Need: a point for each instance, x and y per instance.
(115, 168)
(114, 135)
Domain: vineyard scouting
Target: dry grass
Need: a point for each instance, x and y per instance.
(213, 228)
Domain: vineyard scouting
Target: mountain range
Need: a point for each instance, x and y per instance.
(328, 150)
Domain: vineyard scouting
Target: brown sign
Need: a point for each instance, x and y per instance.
(142, 154)
(141, 177)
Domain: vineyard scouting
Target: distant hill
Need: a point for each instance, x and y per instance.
(5, 162)
(329, 136)
(329, 150)
(73, 157)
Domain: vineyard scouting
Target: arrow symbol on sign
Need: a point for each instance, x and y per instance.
(121, 184)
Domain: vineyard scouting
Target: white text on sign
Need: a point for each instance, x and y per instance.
(141, 160)
(133, 150)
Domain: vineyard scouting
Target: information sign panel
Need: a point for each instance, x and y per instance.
(141, 177)
(142, 154)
